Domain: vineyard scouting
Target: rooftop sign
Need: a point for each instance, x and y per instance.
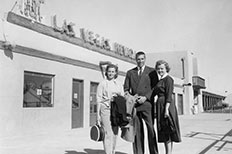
(31, 9)
(95, 39)
(101, 42)
(66, 28)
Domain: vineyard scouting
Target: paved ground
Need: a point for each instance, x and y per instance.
(205, 133)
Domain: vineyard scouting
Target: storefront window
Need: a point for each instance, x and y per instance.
(38, 90)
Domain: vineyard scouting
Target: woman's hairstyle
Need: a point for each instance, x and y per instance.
(112, 66)
(160, 62)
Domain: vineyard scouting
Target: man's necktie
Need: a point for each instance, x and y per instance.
(140, 72)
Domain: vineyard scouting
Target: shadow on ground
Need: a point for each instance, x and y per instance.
(221, 142)
(90, 151)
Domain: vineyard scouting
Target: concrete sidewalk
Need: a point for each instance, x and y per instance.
(209, 133)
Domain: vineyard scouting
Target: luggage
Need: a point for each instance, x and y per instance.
(97, 133)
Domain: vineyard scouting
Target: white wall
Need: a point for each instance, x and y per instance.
(178, 89)
(16, 120)
(228, 99)
(174, 60)
(28, 38)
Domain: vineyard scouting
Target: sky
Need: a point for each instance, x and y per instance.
(203, 27)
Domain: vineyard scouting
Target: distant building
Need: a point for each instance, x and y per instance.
(228, 99)
(212, 101)
(184, 67)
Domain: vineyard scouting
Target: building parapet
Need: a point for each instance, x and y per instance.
(198, 82)
(45, 55)
(49, 31)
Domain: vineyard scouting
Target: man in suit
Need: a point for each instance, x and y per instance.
(139, 81)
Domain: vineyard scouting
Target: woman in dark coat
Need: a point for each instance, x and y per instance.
(167, 118)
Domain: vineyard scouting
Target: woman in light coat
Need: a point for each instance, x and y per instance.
(106, 90)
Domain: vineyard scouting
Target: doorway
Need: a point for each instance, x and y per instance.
(93, 103)
(180, 107)
(77, 103)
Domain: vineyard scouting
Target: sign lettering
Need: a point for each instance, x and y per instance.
(95, 39)
(125, 51)
(66, 28)
(31, 9)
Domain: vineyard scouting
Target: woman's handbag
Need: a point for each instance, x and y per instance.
(97, 133)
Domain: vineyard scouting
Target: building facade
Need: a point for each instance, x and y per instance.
(183, 67)
(49, 79)
(212, 101)
(196, 97)
(49, 76)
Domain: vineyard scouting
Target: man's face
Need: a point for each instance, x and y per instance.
(140, 60)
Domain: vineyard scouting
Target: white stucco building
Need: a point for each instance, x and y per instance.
(183, 67)
(48, 79)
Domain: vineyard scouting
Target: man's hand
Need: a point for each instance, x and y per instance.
(141, 99)
(126, 93)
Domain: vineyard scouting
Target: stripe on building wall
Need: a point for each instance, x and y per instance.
(49, 31)
(178, 85)
(45, 55)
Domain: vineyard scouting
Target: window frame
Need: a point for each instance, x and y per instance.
(51, 81)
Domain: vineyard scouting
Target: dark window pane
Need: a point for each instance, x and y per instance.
(37, 90)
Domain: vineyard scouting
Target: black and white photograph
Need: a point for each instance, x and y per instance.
(115, 77)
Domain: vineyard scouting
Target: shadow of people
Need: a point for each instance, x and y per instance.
(87, 151)
(90, 151)
(94, 151)
(73, 152)
(120, 152)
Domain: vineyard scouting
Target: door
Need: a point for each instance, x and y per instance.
(180, 108)
(93, 103)
(77, 103)
(196, 94)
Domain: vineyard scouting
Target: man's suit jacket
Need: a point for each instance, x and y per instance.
(141, 85)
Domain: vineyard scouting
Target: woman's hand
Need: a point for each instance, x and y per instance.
(112, 99)
(113, 95)
(166, 114)
(98, 120)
